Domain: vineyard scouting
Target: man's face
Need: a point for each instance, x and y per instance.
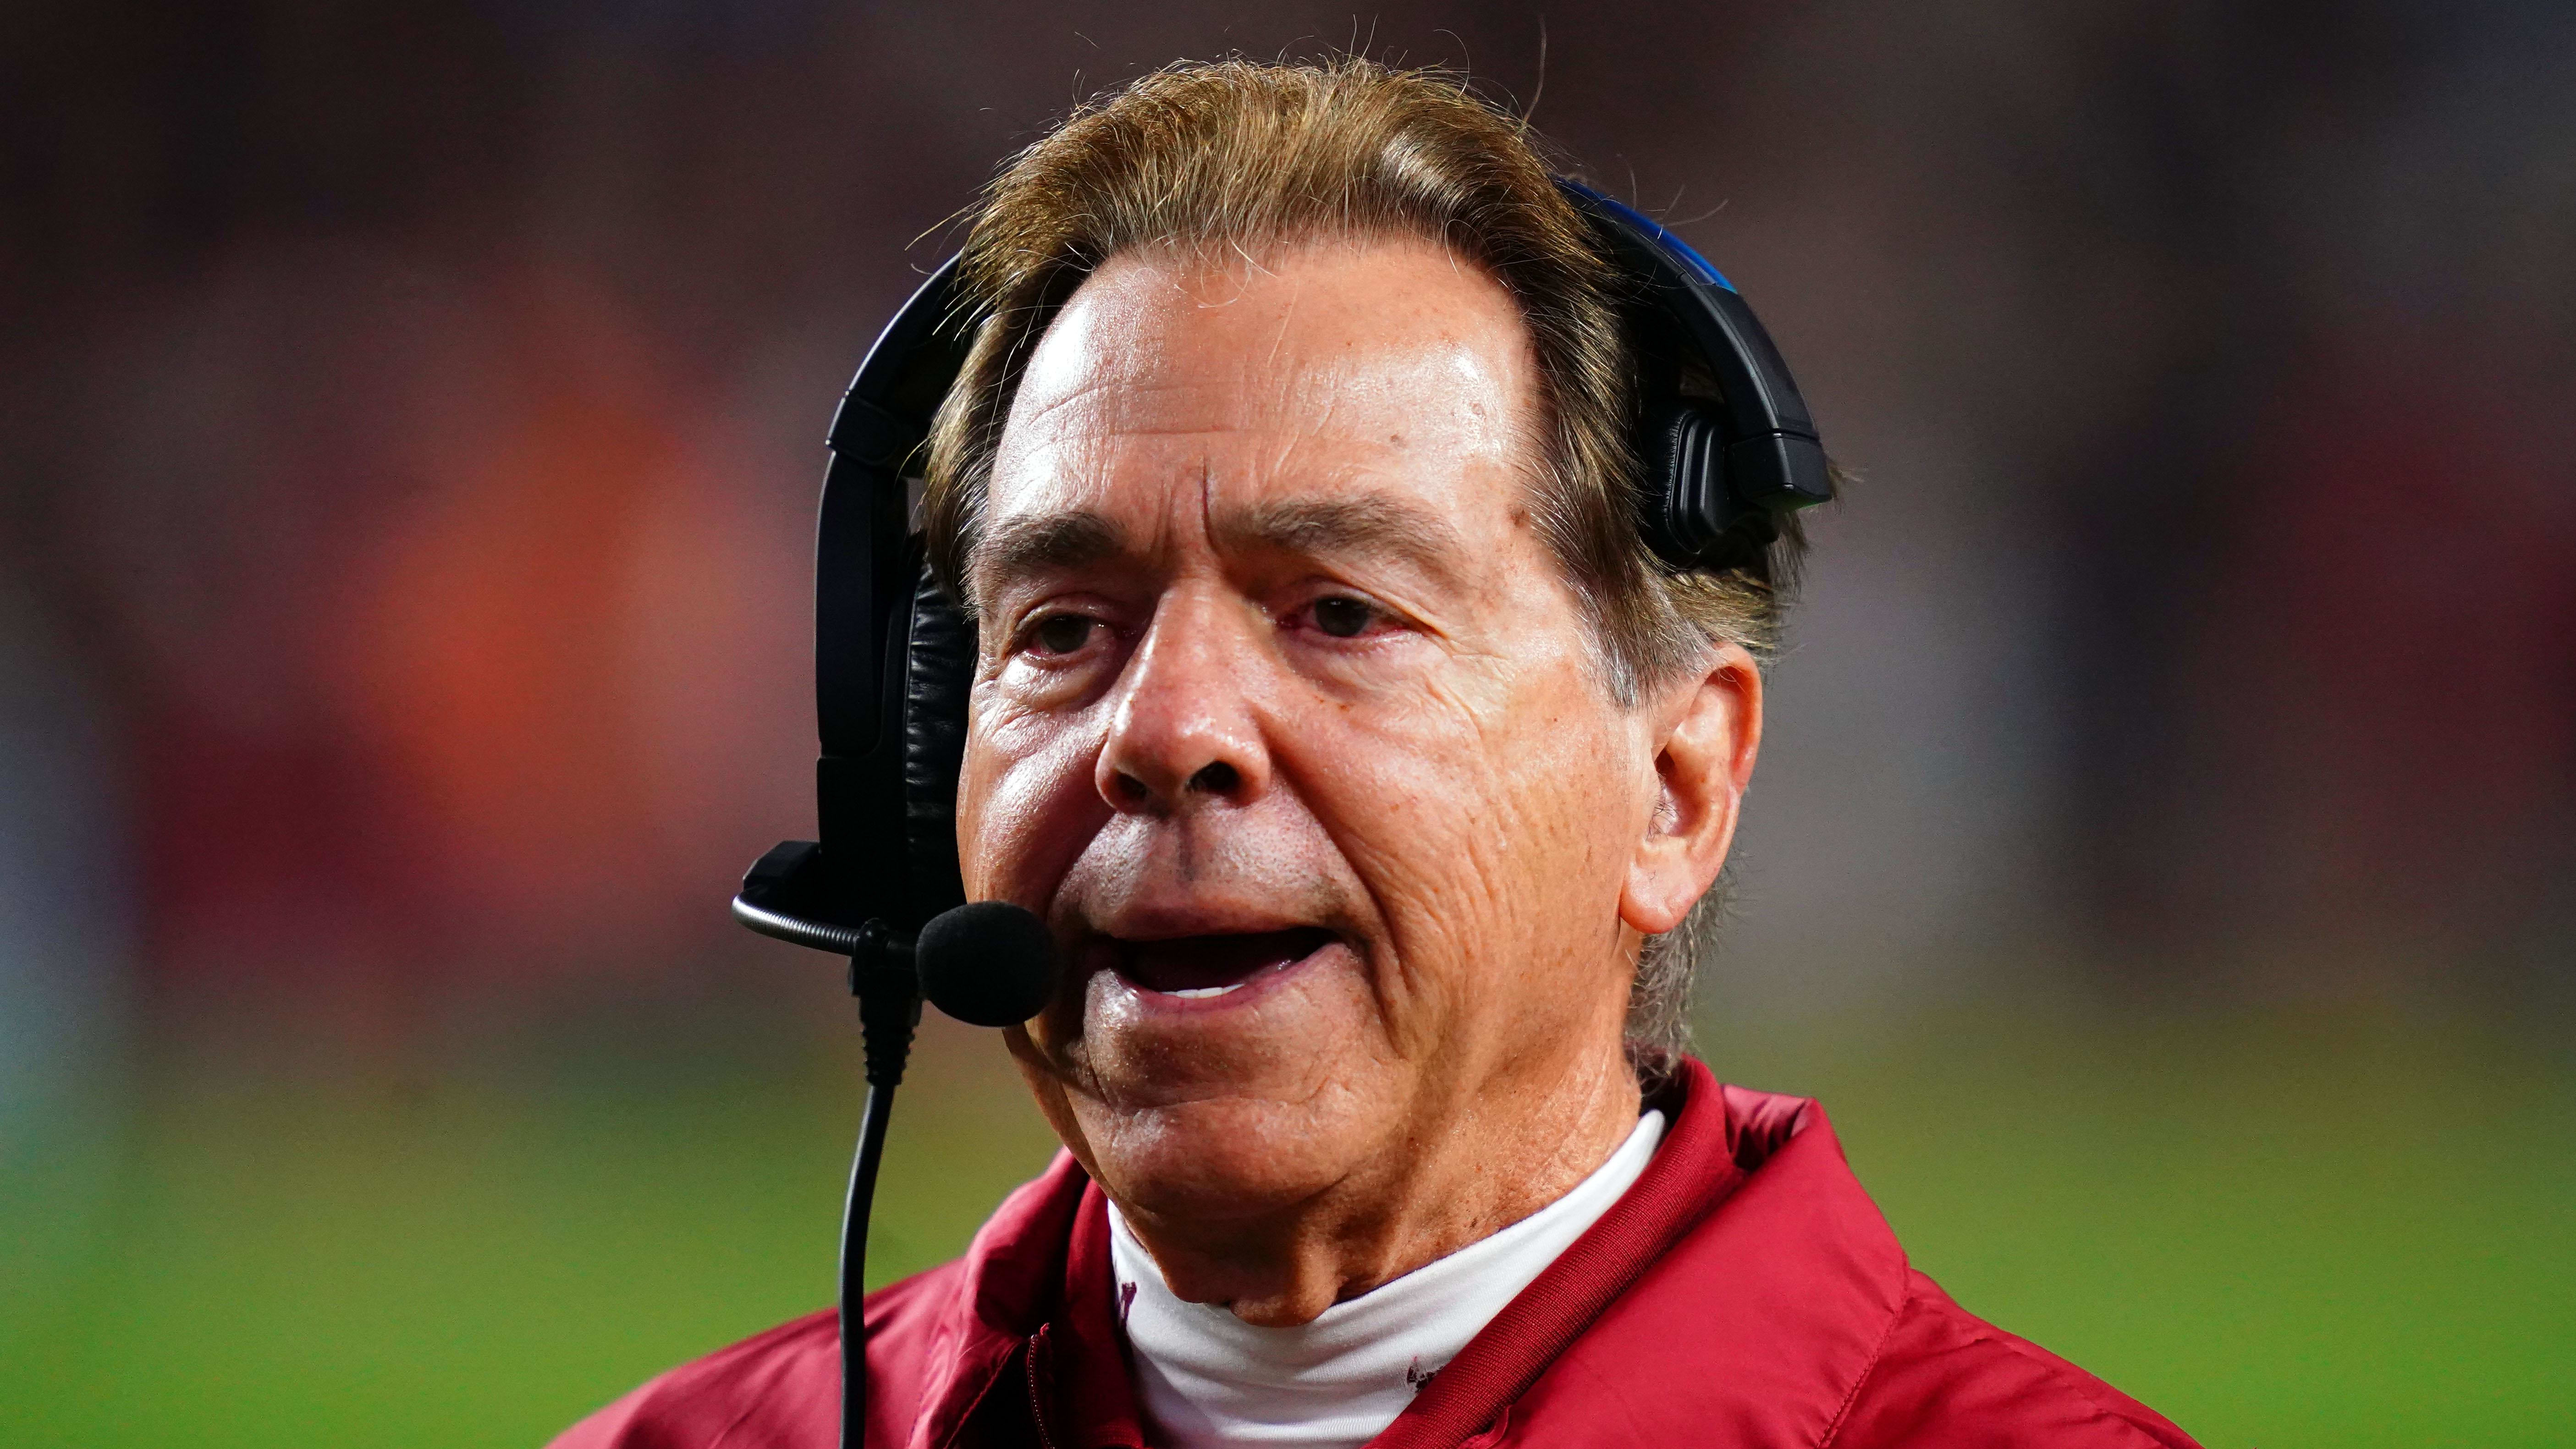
(1288, 725)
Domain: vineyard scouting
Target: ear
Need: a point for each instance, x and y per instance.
(1709, 729)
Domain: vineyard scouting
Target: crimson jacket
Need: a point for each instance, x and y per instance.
(1744, 1293)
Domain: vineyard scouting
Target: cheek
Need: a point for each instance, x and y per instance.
(1489, 813)
(1025, 801)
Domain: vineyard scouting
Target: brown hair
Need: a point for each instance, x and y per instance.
(1237, 154)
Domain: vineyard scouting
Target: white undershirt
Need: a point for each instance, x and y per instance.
(1213, 1381)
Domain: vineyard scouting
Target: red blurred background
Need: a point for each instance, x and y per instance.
(417, 411)
(415, 414)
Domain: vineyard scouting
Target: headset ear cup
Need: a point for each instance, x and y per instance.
(1687, 511)
(1742, 545)
(939, 671)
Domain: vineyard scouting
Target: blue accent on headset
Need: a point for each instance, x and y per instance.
(1681, 250)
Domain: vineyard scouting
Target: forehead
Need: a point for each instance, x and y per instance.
(1386, 365)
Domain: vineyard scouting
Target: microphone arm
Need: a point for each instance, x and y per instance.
(785, 895)
(989, 963)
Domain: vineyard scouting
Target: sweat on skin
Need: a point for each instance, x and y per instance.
(1289, 725)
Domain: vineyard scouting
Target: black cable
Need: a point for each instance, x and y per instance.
(854, 1264)
(990, 963)
(889, 992)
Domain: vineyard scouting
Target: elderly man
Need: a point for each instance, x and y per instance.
(1374, 777)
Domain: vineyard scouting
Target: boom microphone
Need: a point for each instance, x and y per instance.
(987, 964)
(990, 963)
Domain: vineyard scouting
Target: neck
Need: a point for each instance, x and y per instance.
(1492, 1157)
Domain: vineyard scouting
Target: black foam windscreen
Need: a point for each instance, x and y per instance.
(987, 964)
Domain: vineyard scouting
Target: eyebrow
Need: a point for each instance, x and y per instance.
(1369, 526)
(1043, 543)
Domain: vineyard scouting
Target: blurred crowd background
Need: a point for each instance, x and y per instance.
(2161, 860)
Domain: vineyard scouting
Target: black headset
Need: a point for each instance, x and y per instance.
(894, 655)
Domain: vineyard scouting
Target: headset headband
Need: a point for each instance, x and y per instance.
(1773, 460)
(893, 657)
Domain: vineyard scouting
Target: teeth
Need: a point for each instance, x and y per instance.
(1201, 993)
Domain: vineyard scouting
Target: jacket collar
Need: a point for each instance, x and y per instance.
(1757, 1323)
(1010, 1282)
(1746, 1275)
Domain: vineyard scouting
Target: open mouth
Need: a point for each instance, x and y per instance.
(1197, 968)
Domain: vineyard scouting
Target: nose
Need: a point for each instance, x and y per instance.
(1183, 733)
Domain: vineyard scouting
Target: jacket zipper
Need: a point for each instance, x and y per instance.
(1037, 1400)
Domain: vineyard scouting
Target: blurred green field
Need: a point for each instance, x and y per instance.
(2284, 1230)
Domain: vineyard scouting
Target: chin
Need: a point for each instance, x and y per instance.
(1224, 1159)
(1233, 1104)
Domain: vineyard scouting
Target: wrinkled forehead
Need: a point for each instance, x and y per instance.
(1325, 359)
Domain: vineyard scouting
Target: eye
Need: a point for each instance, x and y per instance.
(1062, 633)
(1344, 617)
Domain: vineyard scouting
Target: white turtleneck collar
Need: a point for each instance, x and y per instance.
(1212, 1381)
